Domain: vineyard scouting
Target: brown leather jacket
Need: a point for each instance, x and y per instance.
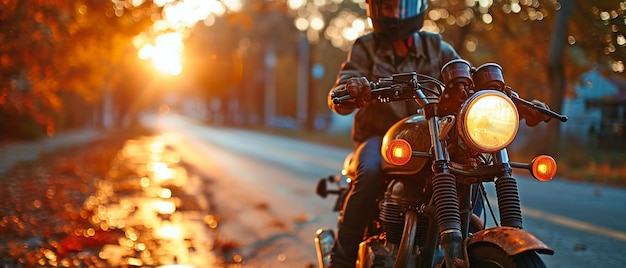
(374, 58)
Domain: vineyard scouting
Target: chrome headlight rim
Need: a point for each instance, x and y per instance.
(464, 125)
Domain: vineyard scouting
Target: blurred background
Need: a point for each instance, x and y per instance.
(268, 65)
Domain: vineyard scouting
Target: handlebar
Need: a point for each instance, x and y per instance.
(386, 89)
(393, 89)
(543, 110)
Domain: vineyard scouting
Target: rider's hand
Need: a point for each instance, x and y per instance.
(359, 88)
(533, 116)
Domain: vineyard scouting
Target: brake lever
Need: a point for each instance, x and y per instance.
(338, 100)
(339, 94)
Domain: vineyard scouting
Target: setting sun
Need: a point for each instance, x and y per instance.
(166, 48)
(165, 53)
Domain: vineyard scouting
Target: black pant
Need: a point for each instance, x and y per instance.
(360, 205)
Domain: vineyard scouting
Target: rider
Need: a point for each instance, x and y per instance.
(396, 46)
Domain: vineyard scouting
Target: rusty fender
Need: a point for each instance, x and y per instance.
(512, 240)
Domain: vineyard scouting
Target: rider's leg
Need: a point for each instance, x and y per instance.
(360, 204)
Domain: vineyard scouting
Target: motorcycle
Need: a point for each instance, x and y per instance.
(429, 217)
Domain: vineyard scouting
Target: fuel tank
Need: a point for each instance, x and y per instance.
(413, 129)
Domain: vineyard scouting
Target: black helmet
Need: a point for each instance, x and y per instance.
(396, 19)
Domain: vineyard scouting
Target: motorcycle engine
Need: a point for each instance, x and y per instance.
(403, 195)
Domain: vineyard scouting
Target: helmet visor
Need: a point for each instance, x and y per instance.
(396, 9)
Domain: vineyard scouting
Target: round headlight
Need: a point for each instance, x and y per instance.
(488, 121)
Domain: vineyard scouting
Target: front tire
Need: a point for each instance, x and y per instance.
(491, 256)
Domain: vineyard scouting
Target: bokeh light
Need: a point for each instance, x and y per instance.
(341, 30)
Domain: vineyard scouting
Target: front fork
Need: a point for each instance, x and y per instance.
(445, 194)
(507, 193)
(446, 203)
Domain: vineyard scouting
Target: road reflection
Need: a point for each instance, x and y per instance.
(144, 195)
(136, 207)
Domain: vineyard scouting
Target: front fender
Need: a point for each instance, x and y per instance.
(512, 240)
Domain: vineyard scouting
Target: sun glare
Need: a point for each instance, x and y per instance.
(165, 53)
(179, 16)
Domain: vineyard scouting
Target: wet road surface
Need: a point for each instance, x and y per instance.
(150, 196)
(106, 207)
(152, 206)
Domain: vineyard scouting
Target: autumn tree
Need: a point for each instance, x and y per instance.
(56, 51)
(543, 45)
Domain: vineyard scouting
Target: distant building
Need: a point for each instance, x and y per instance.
(598, 111)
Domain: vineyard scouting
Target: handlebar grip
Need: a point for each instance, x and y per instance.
(546, 111)
(560, 117)
(342, 95)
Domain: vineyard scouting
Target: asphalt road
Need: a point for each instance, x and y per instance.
(263, 188)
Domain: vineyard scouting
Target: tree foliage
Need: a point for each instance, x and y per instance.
(599, 29)
(53, 52)
(543, 45)
(517, 34)
(54, 48)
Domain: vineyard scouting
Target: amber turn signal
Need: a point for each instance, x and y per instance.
(543, 167)
(399, 152)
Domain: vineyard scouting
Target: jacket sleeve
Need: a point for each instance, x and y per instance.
(359, 57)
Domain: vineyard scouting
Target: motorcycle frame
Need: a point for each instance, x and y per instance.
(454, 221)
